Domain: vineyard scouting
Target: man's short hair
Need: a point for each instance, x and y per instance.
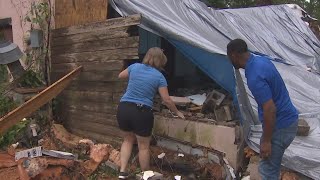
(238, 46)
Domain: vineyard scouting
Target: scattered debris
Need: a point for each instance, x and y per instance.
(216, 171)
(286, 175)
(67, 139)
(215, 97)
(230, 168)
(253, 167)
(86, 141)
(11, 151)
(59, 154)
(34, 129)
(197, 108)
(10, 173)
(203, 161)
(200, 115)
(29, 153)
(160, 156)
(43, 166)
(15, 145)
(245, 178)
(228, 113)
(149, 175)
(180, 155)
(115, 157)
(30, 168)
(112, 165)
(187, 167)
(215, 108)
(6, 160)
(180, 101)
(198, 99)
(249, 152)
(98, 154)
(40, 142)
(303, 128)
(59, 171)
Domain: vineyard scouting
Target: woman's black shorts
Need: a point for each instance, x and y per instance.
(135, 118)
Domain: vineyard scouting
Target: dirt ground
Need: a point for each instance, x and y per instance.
(169, 166)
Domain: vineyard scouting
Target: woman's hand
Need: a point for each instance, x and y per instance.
(180, 114)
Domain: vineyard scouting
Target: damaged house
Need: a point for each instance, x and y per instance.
(87, 107)
(220, 111)
(221, 114)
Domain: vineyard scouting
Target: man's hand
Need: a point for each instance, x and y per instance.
(265, 149)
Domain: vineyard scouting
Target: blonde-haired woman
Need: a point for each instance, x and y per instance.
(135, 116)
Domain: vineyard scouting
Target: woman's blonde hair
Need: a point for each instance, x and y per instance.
(155, 58)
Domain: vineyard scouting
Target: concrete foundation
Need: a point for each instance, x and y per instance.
(221, 138)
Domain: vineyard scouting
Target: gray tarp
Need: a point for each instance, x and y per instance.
(274, 31)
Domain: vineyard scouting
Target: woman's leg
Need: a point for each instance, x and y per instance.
(144, 152)
(126, 148)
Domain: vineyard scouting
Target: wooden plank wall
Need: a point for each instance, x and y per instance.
(75, 12)
(88, 106)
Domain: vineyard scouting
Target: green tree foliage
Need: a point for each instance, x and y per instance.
(312, 6)
(3, 74)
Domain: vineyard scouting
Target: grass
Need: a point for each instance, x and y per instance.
(104, 172)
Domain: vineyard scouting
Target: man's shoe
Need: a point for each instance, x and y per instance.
(123, 175)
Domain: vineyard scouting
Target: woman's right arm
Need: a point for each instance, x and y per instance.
(163, 91)
(124, 74)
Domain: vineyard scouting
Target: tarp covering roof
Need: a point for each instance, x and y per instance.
(202, 34)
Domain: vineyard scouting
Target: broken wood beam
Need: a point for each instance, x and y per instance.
(37, 101)
(180, 101)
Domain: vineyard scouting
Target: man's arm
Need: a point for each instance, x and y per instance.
(269, 118)
(263, 95)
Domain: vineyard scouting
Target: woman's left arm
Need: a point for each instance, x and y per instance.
(124, 74)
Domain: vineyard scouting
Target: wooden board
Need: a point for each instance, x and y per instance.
(114, 141)
(104, 25)
(88, 105)
(112, 65)
(97, 56)
(99, 107)
(102, 76)
(75, 12)
(100, 128)
(95, 117)
(106, 44)
(114, 87)
(121, 32)
(89, 96)
(37, 101)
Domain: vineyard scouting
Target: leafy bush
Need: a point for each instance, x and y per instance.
(31, 79)
(6, 105)
(11, 135)
(3, 73)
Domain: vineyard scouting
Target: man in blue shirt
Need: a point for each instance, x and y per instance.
(276, 112)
